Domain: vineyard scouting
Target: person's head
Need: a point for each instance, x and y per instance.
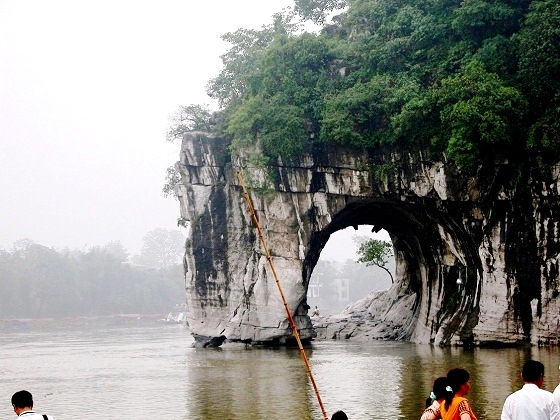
(438, 390)
(22, 400)
(458, 383)
(533, 372)
(339, 415)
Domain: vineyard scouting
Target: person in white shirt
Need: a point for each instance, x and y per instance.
(531, 402)
(556, 392)
(22, 401)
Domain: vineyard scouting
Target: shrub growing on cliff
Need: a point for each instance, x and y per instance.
(481, 117)
(475, 80)
(189, 118)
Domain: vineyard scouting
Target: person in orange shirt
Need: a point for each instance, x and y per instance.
(456, 406)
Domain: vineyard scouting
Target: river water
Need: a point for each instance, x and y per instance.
(151, 371)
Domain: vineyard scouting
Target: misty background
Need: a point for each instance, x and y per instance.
(87, 91)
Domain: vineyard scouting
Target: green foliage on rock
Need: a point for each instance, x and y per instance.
(189, 118)
(284, 96)
(539, 77)
(318, 10)
(474, 80)
(481, 117)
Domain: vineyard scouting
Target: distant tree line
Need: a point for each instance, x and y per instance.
(38, 282)
(475, 82)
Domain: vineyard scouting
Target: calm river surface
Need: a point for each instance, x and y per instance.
(150, 371)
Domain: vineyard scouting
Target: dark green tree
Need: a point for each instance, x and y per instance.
(230, 87)
(374, 252)
(282, 110)
(318, 10)
(481, 117)
(472, 82)
(539, 70)
(189, 118)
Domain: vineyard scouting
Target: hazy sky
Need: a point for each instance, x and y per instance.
(86, 91)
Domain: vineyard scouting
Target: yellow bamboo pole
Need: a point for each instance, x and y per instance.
(288, 312)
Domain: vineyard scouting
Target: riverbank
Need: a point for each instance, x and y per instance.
(22, 324)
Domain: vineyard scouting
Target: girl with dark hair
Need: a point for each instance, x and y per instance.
(456, 406)
(437, 397)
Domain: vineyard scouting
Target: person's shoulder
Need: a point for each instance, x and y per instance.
(42, 416)
(31, 415)
(433, 407)
(556, 393)
(514, 394)
(547, 393)
(39, 416)
(431, 412)
(544, 391)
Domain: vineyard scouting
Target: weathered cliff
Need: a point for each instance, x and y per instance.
(496, 231)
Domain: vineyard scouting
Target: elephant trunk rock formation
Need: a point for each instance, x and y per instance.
(496, 232)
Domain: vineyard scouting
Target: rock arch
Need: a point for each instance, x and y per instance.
(500, 239)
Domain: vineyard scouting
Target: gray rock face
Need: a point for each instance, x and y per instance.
(497, 232)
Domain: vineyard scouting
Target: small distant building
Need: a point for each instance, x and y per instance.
(313, 291)
(343, 289)
(341, 292)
